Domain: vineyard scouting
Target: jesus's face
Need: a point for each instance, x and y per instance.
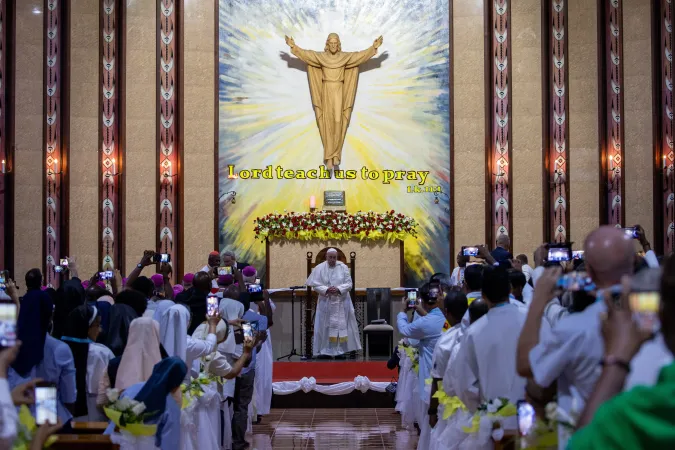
(331, 258)
(333, 44)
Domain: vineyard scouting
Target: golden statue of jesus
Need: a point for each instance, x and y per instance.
(333, 76)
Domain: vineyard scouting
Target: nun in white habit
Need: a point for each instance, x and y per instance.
(173, 328)
(335, 328)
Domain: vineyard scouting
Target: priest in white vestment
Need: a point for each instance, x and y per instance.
(335, 328)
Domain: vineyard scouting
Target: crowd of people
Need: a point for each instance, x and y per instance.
(144, 339)
(575, 354)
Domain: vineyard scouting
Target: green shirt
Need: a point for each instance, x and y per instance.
(642, 418)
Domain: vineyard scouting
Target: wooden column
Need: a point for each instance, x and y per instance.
(169, 131)
(55, 138)
(111, 123)
(555, 119)
(664, 158)
(6, 135)
(498, 103)
(610, 87)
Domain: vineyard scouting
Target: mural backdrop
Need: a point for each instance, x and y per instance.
(400, 119)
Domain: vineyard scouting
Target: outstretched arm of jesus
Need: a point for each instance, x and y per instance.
(307, 56)
(358, 58)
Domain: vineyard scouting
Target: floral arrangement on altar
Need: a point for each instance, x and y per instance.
(128, 414)
(336, 225)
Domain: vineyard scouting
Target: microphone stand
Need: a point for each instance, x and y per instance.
(293, 351)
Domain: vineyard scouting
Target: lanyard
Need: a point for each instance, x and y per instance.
(78, 340)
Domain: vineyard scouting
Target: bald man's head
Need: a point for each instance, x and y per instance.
(609, 255)
(504, 241)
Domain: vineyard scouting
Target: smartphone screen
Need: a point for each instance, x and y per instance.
(631, 232)
(247, 329)
(58, 269)
(578, 254)
(45, 404)
(255, 327)
(526, 418)
(64, 262)
(254, 288)
(165, 258)
(211, 305)
(470, 251)
(257, 281)
(224, 271)
(645, 307)
(7, 324)
(412, 299)
(3, 276)
(105, 275)
(559, 254)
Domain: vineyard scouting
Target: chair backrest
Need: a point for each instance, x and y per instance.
(378, 304)
(321, 257)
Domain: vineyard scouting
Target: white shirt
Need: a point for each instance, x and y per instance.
(97, 364)
(442, 351)
(572, 351)
(457, 277)
(196, 348)
(8, 416)
(487, 357)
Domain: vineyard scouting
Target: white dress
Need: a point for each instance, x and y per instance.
(97, 363)
(335, 329)
(263, 375)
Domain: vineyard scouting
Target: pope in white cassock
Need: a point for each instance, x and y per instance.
(335, 328)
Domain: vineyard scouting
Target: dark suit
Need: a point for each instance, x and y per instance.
(501, 254)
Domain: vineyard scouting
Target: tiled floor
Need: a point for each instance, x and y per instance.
(332, 429)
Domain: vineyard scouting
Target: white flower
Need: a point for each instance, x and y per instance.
(497, 434)
(551, 410)
(123, 404)
(491, 408)
(112, 394)
(138, 408)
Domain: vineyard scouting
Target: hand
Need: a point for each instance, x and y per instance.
(146, 260)
(165, 269)
(7, 357)
(42, 434)
(545, 290)
(118, 278)
(11, 288)
(404, 304)
(483, 252)
(540, 255)
(213, 320)
(236, 322)
(249, 343)
(213, 273)
(623, 338)
(290, 42)
(24, 394)
(642, 238)
(260, 337)
(378, 42)
(433, 419)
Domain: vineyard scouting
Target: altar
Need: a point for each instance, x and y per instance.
(377, 263)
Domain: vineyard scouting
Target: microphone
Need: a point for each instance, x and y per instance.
(297, 287)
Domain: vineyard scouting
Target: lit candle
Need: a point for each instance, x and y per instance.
(664, 162)
(611, 162)
(114, 171)
(312, 202)
(3, 166)
(56, 166)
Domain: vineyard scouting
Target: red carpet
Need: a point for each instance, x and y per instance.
(332, 372)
